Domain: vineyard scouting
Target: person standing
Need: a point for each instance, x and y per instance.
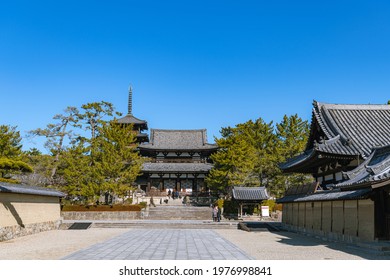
(215, 213)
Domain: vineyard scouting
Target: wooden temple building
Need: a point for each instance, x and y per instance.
(348, 155)
(176, 160)
(179, 161)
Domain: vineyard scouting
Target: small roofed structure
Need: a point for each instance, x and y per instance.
(27, 210)
(248, 196)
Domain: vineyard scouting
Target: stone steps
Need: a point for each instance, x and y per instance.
(178, 212)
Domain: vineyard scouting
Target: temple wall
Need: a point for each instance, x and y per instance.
(309, 215)
(23, 214)
(351, 217)
(366, 224)
(317, 215)
(337, 217)
(326, 216)
(295, 214)
(349, 220)
(301, 214)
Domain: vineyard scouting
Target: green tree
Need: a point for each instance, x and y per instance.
(11, 154)
(117, 158)
(110, 163)
(245, 156)
(249, 154)
(292, 134)
(56, 134)
(81, 177)
(10, 142)
(233, 162)
(93, 115)
(12, 166)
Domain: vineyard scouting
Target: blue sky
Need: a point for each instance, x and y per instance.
(192, 64)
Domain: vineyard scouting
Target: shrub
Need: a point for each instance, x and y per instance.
(270, 203)
(230, 207)
(11, 181)
(100, 208)
(143, 204)
(220, 203)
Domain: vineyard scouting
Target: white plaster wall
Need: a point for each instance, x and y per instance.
(17, 209)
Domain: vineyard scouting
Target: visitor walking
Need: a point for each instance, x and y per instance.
(152, 201)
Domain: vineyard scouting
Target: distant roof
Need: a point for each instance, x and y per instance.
(374, 170)
(176, 167)
(23, 189)
(327, 196)
(163, 139)
(345, 131)
(250, 193)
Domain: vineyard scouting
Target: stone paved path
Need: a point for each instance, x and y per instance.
(163, 244)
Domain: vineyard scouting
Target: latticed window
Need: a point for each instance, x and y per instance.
(186, 184)
(169, 184)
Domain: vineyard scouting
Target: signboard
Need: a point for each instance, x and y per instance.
(265, 211)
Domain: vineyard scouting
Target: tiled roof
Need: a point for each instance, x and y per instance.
(250, 193)
(23, 189)
(130, 119)
(358, 128)
(327, 196)
(178, 140)
(176, 167)
(347, 130)
(375, 169)
(303, 189)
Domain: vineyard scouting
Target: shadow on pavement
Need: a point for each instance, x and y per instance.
(372, 251)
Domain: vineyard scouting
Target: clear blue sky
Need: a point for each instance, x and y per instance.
(192, 64)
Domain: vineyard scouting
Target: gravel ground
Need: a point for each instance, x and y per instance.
(266, 245)
(56, 244)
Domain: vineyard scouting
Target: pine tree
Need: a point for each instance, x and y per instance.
(118, 160)
(11, 161)
(56, 134)
(292, 133)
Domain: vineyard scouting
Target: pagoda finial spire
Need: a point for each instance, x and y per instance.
(130, 105)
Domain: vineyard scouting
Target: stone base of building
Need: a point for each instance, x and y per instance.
(10, 232)
(326, 236)
(103, 216)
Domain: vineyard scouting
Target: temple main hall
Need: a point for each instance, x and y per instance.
(176, 160)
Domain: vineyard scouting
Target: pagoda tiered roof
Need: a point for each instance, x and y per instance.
(130, 119)
(342, 132)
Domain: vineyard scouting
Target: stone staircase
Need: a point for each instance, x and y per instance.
(174, 215)
(178, 212)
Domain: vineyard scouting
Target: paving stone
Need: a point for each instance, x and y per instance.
(163, 244)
